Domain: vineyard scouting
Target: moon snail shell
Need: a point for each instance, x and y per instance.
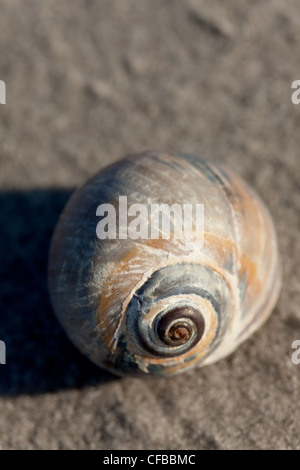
(163, 305)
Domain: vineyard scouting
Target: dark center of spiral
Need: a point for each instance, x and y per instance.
(179, 333)
(180, 326)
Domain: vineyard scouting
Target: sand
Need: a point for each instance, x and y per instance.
(88, 82)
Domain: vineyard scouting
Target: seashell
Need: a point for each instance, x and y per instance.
(163, 305)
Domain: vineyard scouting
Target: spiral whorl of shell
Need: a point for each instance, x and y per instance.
(163, 305)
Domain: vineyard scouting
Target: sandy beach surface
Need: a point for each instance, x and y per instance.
(88, 82)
